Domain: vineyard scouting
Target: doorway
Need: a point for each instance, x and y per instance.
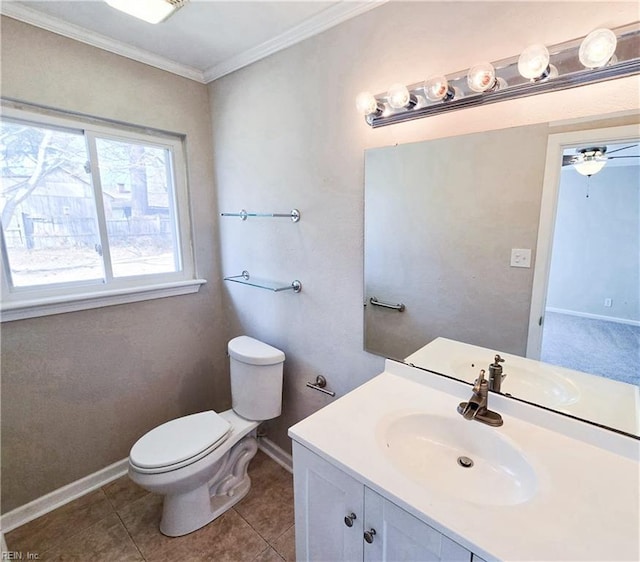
(585, 311)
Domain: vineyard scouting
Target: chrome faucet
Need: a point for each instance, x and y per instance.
(476, 407)
(496, 376)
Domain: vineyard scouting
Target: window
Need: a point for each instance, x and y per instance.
(92, 214)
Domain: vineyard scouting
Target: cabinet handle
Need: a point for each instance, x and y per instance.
(368, 535)
(349, 519)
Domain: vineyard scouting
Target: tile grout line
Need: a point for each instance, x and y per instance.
(263, 537)
(279, 537)
(285, 531)
(122, 521)
(250, 525)
(269, 547)
(130, 536)
(84, 530)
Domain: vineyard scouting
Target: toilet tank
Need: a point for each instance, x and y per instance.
(256, 378)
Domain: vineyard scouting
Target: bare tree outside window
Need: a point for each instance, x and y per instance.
(48, 208)
(48, 200)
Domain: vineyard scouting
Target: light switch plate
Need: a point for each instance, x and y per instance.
(520, 257)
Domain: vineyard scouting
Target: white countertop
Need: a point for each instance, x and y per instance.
(587, 502)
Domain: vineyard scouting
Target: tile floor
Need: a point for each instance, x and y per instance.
(119, 523)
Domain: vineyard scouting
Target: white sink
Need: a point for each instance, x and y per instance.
(542, 386)
(426, 448)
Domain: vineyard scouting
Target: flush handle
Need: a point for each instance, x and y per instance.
(349, 519)
(368, 535)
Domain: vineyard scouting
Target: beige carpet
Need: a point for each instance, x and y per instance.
(604, 348)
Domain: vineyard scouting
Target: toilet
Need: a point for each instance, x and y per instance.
(199, 462)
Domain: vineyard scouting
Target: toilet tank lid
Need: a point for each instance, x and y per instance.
(254, 352)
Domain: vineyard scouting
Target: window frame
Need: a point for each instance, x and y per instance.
(41, 300)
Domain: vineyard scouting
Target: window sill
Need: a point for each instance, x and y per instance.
(86, 301)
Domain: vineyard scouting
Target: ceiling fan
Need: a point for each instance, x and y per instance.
(590, 160)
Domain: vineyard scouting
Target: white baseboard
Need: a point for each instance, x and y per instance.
(61, 496)
(53, 500)
(594, 316)
(269, 448)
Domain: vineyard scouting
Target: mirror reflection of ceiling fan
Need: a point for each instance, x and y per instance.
(589, 161)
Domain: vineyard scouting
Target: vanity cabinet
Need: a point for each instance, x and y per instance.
(340, 519)
(329, 509)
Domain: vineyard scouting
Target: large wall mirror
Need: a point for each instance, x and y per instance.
(442, 220)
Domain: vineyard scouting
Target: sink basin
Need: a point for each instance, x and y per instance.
(544, 386)
(426, 448)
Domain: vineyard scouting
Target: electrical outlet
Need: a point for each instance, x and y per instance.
(520, 257)
(607, 302)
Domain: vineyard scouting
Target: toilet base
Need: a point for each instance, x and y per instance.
(189, 511)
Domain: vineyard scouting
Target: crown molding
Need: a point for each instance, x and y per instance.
(322, 21)
(61, 27)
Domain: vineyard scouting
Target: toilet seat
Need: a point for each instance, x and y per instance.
(179, 442)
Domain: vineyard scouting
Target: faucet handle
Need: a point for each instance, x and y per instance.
(497, 359)
(478, 382)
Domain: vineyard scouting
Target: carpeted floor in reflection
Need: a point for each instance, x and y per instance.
(592, 346)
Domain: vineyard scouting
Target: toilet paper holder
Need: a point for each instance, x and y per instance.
(320, 384)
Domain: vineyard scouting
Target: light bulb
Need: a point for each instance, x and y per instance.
(481, 77)
(597, 48)
(399, 96)
(437, 88)
(367, 104)
(534, 62)
(589, 167)
(590, 161)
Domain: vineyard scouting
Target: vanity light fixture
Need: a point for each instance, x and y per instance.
(603, 54)
(151, 11)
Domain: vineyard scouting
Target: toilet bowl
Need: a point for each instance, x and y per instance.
(199, 462)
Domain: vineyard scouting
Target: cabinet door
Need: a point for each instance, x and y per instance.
(324, 496)
(401, 536)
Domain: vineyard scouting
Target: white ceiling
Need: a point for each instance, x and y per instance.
(204, 40)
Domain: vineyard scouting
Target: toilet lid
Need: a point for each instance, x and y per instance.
(180, 440)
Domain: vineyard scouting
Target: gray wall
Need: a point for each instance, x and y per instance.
(441, 218)
(79, 388)
(286, 134)
(596, 244)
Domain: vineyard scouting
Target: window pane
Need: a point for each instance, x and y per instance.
(137, 189)
(48, 206)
